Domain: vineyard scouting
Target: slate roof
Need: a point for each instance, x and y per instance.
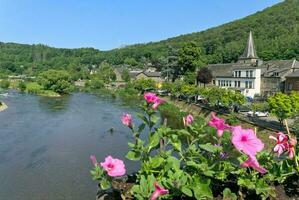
(293, 75)
(249, 51)
(282, 67)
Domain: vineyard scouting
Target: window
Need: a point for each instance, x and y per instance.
(239, 73)
(251, 73)
(246, 84)
(247, 72)
(236, 73)
(250, 84)
(236, 83)
(218, 82)
(276, 74)
(239, 83)
(230, 83)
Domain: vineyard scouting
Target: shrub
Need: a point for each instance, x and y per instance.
(22, 86)
(4, 84)
(34, 88)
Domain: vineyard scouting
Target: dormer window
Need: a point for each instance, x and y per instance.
(275, 74)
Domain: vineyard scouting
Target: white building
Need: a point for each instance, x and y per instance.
(250, 75)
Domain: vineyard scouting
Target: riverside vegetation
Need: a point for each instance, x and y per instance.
(201, 161)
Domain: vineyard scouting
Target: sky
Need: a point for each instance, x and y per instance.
(108, 24)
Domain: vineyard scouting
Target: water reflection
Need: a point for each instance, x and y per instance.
(54, 104)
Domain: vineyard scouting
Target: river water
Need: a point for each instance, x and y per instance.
(45, 144)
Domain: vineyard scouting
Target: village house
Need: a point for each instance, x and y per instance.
(292, 82)
(251, 76)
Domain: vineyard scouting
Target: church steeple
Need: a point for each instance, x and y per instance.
(249, 55)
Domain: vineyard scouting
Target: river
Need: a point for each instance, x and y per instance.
(45, 144)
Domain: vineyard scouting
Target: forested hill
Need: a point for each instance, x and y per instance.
(275, 31)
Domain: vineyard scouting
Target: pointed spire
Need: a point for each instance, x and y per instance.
(250, 49)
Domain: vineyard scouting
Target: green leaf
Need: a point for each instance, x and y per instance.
(141, 127)
(187, 191)
(154, 119)
(153, 141)
(228, 195)
(156, 161)
(173, 162)
(105, 184)
(210, 148)
(132, 155)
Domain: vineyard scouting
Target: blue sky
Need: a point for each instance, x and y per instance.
(107, 24)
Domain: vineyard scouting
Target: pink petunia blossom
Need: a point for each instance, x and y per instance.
(291, 147)
(150, 97)
(188, 120)
(94, 160)
(157, 102)
(219, 124)
(126, 119)
(246, 141)
(253, 163)
(113, 166)
(159, 191)
(281, 143)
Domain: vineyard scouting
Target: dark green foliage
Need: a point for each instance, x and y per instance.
(204, 75)
(22, 86)
(275, 31)
(190, 57)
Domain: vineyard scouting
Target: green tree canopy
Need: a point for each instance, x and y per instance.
(56, 80)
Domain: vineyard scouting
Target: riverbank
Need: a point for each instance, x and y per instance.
(3, 106)
(197, 111)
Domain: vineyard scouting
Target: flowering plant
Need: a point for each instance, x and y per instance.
(204, 160)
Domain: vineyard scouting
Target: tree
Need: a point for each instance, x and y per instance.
(204, 75)
(190, 77)
(125, 75)
(130, 61)
(105, 73)
(190, 57)
(56, 80)
(281, 106)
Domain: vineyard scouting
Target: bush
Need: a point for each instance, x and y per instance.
(4, 84)
(56, 80)
(34, 88)
(96, 84)
(22, 86)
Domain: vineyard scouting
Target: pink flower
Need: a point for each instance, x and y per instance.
(126, 119)
(281, 143)
(291, 147)
(157, 102)
(188, 120)
(219, 124)
(246, 141)
(252, 162)
(150, 97)
(113, 166)
(94, 160)
(159, 191)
